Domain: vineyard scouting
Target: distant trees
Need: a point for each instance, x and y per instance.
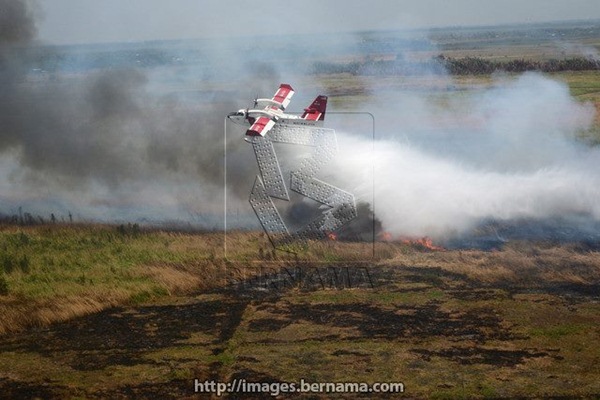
(479, 66)
(372, 67)
(455, 66)
(27, 218)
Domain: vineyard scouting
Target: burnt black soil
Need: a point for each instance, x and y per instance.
(397, 323)
(123, 336)
(480, 355)
(23, 390)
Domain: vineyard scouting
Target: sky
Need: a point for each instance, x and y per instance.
(93, 21)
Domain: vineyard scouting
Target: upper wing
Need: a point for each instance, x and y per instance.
(281, 100)
(261, 126)
(284, 95)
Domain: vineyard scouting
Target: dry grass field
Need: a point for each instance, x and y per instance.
(517, 322)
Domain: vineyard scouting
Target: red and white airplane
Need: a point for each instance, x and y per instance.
(262, 120)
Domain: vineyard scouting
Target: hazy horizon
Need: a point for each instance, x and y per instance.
(149, 20)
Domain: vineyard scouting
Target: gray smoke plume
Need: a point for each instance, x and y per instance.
(104, 138)
(17, 23)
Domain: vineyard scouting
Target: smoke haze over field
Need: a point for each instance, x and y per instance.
(111, 143)
(519, 161)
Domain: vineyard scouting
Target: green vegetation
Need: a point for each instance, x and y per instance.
(48, 261)
(557, 332)
(480, 66)
(3, 285)
(55, 272)
(455, 66)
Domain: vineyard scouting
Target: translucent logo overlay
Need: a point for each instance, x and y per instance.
(288, 191)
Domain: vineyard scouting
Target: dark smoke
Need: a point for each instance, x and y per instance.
(17, 23)
(105, 134)
(106, 128)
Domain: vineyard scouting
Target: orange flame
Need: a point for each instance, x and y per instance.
(424, 242)
(385, 236)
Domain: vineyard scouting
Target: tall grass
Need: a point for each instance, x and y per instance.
(3, 285)
(52, 272)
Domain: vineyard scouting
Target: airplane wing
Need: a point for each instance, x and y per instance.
(280, 101)
(284, 95)
(260, 127)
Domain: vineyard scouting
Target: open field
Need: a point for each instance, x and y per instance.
(51, 273)
(520, 322)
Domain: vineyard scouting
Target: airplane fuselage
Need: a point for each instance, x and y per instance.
(247, 117)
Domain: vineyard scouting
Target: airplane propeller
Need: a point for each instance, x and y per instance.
(248, 117)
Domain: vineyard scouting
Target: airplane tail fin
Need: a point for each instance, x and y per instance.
(316, 111)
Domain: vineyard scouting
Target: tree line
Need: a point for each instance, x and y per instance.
(455, 66)
(27, 218)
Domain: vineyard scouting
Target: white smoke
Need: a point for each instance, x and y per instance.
(579, 50)
(504, 153)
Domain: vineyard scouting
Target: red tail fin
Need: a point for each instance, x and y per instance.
(316, 111)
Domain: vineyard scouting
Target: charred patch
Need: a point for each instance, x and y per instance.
(402, 322)
(475, 294)
(175, 389)
(122, 336)
(579, 289)
(338, 353)
(267, 324)
(10, 389)
(479, 355)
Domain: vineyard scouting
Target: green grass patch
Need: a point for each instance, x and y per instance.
(44, 262)
(557, 332)
(147, 295)
(3, 285)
